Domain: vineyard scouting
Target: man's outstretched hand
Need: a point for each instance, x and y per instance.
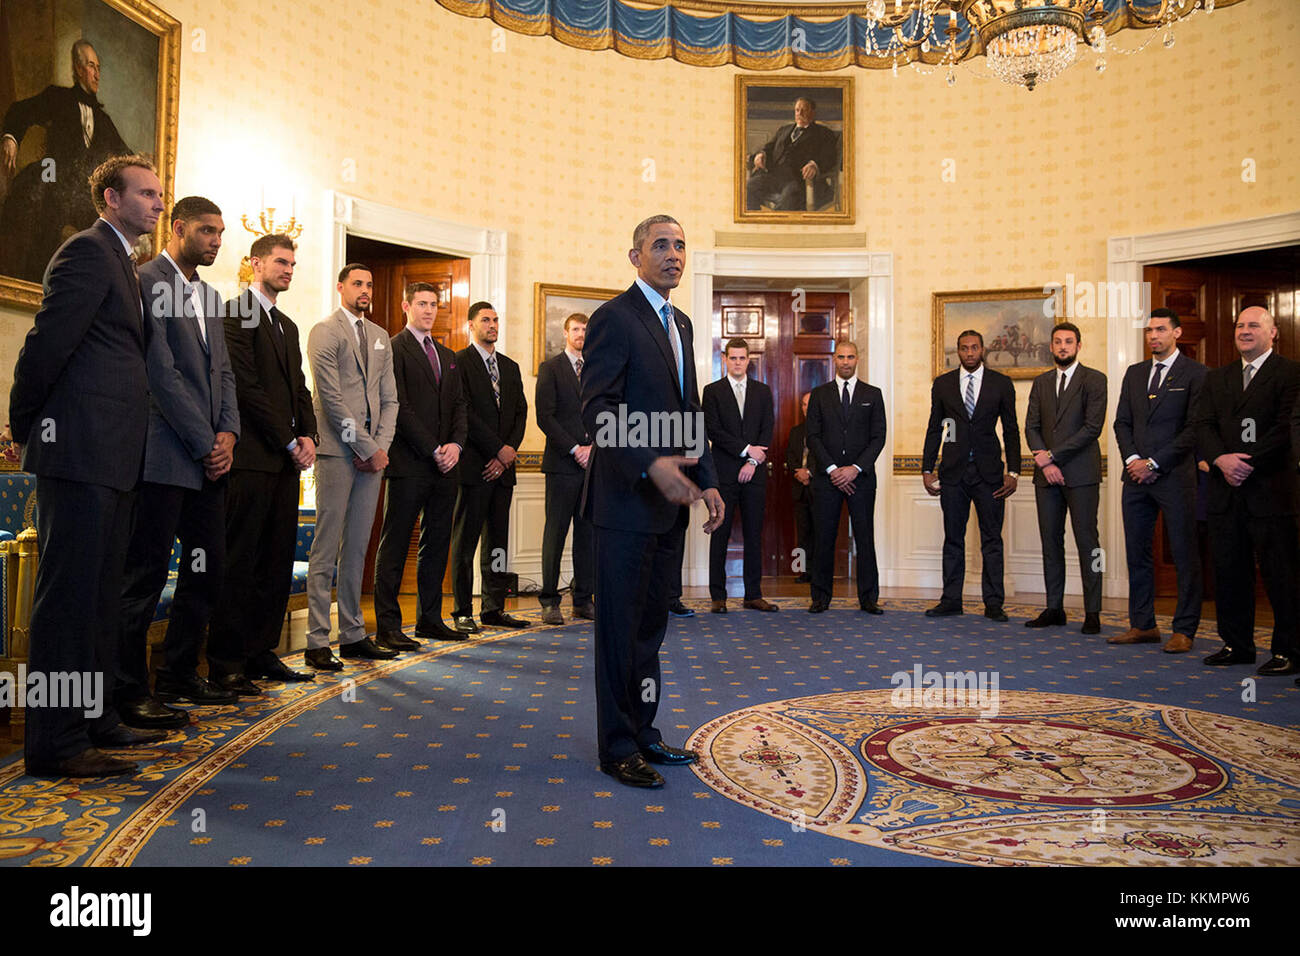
(666, 473)
(716, 510)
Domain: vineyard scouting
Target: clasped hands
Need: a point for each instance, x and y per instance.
(376, 462)
(666, 472)
(1235, 467)
(757, 455)
(1051, 471)
(218, 461)
(497, 466)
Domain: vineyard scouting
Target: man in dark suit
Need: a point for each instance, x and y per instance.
(79, 410)
(40, 212)
(498, 414)
(641, 363)
(422, 470)
(846, 433)
(277, 441)
(801, 152)
(568, 449)
(1067, 411)
(797, 460)
(193, 427)
(965, 406)
(738, 418)
(1157, 444)
(1243, 425)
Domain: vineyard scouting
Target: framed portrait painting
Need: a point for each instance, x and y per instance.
(80, 81)
(794, 149)
(1016, 325)
(552, 304)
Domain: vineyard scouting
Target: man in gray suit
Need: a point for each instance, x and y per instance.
(1067, 411)
(356, 411)
(193, 427)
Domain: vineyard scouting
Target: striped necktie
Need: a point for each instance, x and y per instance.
(495, 376)
(970, 396)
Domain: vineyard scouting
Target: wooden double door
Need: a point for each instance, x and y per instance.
(791, 338)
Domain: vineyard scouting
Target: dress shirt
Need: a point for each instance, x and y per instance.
(1163, 377)
(839, 393)
(196, 300)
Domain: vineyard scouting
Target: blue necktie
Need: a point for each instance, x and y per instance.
(970, 396)
(667, 314)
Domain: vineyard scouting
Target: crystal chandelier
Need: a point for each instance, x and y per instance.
(1027, 43)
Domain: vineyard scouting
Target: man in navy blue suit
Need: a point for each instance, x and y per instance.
(638, 382)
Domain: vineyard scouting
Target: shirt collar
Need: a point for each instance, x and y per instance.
(654, 298)
(117, 232)
(738, 381)
(1069, 369)
(978, 374)
(352, 319)
(481, 351)
(1258, 363)
(574, 357)
(1168, 363)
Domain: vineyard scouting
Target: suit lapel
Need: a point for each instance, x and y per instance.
(132, 277)
(1072, 386)
(415, 350)
(279, 343)
(350, 335)
(1172, 375)
(655, 326)
(1265, 372)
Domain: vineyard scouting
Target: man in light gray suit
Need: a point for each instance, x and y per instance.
(356, 412)
(1067, 412)
(193, 427)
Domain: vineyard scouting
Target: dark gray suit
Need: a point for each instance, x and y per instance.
(1151, 422)
(1068, 426)
(192, 397)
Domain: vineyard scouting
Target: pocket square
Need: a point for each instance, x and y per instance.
(379, 346)
(1177, 389)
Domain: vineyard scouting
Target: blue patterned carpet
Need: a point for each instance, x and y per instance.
(484, 754)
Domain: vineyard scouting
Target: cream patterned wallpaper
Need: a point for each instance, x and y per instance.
(464, 121)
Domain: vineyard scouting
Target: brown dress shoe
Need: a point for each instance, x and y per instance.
(1177, 644)
(761, 604)
(719, 607)
(1135, 636)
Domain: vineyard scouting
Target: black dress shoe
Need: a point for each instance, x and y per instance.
(1091, 624)
(1226, 655)
(678, 609)
(440, 632)
(124, 736)
(464, 623)
(817, 607)
(368, 649)
(943, 609)
(238, 684)
(1051, 617)
(1278, 665)
(996, 614)
(871, 607)
(272, 668)
(395, 641)
(502, 619)
(586, 611)
(89, 763)
(149, 713)
(322, 658)
(195, 690)
(670, 756)
(634, 772)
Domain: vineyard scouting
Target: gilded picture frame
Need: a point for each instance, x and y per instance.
(552, 304)
(766, 116)
(1016, 326)
(136, 102)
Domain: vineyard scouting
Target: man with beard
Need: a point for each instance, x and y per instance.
(41, 212)
(193, 427)
(965, 406)
(1067, 411)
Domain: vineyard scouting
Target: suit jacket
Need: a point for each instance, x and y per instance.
(559, 413)
(1257, 422)
(191, 384)
(1159, 428)
(630, 364)
(817, 143)
(356, 398)
(57, 109)
(429, 414)
(490, 427)
(794, 455)
(728, 433)
(997, 400)
(274, 402)
(837, 440)
(1068, 428)
(82, 368)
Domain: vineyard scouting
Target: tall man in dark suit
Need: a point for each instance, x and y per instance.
(277, 442)
(1067, 411)
(965, 406)
(568, 449)
(79, 410)
(801, 152)
(1157, 444)
(39, 211)
(193, 427)
(738, 417)
(422, 471)
(1243, 425)
(640, 364)
(797, 460)
(498, 414)
(846, 432)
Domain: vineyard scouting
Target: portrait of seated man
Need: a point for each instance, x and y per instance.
(798, 153)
